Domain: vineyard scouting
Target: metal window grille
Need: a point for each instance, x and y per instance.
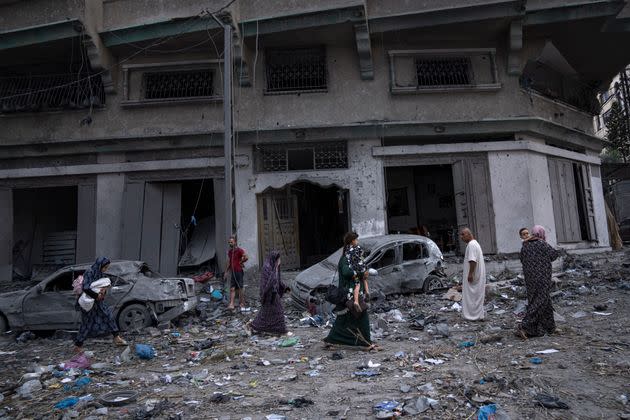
(50, 92)
(296, 70)
(178, 84)
(276, 158)
(552, 84)
(444, 71)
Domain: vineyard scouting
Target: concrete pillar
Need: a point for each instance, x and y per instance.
(511, 197)
(219, 222)
(599, 208)
(6, 234)
(109, 210)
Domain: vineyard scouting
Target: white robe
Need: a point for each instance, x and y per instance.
(475, 292)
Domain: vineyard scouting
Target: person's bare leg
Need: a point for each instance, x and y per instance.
(241, 297)
(355, 294)
(232, 293)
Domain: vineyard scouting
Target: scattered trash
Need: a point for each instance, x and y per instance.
(623, 399)
(492, 412)
(434, 361)
(603, 313)
(405, 389)
(442, 330)
(25, 336)
(118, 398)
(425, 403)
(366, 373)
(579, 314)
(549, 401)
(465, 344)
(298, 402)
(536, 360)
(336, 356)
(394, 316)
(27, 389)
(386, 406)
(600, 307)
(79, 384)
(67, 403)
(79, 361)
(453, 294)
(547, 351)
(521, 307)
(145, 352)
(289, 342)
(216, 295)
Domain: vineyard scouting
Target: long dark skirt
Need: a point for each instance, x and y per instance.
(350, 331)
(270, 318)
(538, 318)
(98, 321)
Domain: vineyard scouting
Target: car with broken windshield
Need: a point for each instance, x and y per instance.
(139, 297)
(398, 264)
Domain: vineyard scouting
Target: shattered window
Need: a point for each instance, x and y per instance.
(302, 69)
(385, 260)
(444, 71)
(178, 84)
(279, 157)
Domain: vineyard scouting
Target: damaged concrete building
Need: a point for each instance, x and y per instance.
(376, 115)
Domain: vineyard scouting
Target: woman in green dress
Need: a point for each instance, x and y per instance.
(348, 329)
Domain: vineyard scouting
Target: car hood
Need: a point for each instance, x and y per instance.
(163, 289)
(320, 274)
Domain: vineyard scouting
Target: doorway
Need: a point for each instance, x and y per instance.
(304, 221)
(44, 228)
(420, 200)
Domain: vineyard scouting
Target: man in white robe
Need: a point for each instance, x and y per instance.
(474, 279)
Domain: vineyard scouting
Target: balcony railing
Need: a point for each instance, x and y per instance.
(552, 84)
(50, 92)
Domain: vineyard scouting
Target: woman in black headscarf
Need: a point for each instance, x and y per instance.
(270, 318)
(98, 320)
(537, 256)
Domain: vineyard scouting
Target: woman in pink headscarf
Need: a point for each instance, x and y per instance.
(536, 256)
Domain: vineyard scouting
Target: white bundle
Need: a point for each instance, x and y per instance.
(87, 302)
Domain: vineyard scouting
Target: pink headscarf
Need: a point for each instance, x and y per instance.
(539, 232)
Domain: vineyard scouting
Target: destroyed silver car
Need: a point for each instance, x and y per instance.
(398, 263)
(138, 298)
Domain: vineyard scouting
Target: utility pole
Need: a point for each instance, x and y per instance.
(228, 151)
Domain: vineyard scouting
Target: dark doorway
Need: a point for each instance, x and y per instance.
(44, 228)
(420, 200)
(323, 216)
(304, 221)
(198, 234)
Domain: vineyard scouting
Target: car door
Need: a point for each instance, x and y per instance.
(51, 304)
(415, 259)
(386, 261)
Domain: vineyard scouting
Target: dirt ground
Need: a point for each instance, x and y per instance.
(423, 364)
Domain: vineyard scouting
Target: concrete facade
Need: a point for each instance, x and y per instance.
(504, 130)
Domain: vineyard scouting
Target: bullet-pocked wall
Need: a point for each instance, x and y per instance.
(363, 180)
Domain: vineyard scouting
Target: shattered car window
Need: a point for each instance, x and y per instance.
(147, 272)
(387, 258)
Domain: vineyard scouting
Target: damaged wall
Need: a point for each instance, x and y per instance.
(363, 179)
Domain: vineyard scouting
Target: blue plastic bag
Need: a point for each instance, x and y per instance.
(465, 344)
(386, 405)
(486, 412)
(536, 360)
(67, 403)
(144, 351)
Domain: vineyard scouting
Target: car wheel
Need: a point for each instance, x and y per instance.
(4, 325)
(134, 317)
(432, 283)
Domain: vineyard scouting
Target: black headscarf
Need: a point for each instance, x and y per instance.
(95, 272)
(270, 278)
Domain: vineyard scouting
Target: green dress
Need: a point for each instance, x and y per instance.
(347, 329)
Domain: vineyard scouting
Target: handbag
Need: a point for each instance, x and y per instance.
(336, 295)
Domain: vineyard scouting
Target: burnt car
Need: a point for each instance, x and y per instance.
(624, 230)
(139, 297)
(398, 264)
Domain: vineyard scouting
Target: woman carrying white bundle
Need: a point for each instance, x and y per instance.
(96, 316)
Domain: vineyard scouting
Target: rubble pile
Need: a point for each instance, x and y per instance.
(431, 363)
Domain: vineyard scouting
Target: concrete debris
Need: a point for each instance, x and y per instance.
(432, 363)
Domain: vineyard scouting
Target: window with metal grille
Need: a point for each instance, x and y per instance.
(177, 84)
(50, 92)
(277, 158)
(444, 71)
(302, 70)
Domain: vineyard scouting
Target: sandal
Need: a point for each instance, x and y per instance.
(519, 333)
(119, 341)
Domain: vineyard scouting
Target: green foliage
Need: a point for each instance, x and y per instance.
(618, 128)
